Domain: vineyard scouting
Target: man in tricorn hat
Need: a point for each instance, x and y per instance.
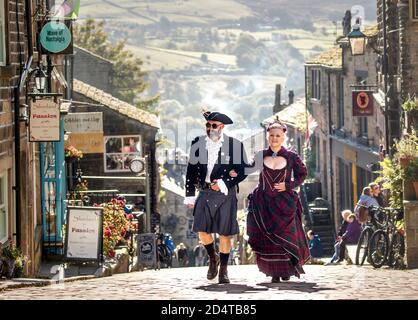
(212, 158)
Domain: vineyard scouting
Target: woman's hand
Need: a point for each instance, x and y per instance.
(280, 187)
(233, 173)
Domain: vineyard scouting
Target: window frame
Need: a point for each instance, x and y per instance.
(414, 10)
(3, 180)
(105, 154)
(316, 84)
(363, 127)
(3, 33)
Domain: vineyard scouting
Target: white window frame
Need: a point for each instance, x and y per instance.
(3, 39)
(414, 10)
(4, 189)
(134, 154)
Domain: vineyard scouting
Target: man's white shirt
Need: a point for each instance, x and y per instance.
(213, 151)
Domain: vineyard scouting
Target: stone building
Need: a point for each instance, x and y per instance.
(345, 147)
(122, 124)
(93, 69)
(402, 83)
(21, 207)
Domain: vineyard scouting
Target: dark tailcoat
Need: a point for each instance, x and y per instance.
(215, 212)
(231, 156)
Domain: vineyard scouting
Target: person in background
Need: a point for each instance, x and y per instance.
(315, 246)
(182, 255)
(343, 228)
(350, 236)
(366, 200)
(199, 255)
(376, 193)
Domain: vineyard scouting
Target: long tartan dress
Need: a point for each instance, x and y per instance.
(274, 219)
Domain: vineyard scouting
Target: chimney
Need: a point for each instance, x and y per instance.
(291, 97)
(277, 101)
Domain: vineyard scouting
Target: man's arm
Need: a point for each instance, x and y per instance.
(238, 166)
(191, 174)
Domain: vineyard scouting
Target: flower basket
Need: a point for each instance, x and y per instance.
(116, 226)
(12, 261)
(404, 161)
(72, 154)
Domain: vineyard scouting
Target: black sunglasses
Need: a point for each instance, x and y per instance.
(213, 125)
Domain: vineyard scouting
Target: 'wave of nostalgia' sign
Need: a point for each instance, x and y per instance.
(56, 38)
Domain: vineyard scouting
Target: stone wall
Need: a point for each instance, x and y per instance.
(411, 233)
(30, 222)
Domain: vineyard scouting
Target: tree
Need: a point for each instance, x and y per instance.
(128, 78)
(204, 58)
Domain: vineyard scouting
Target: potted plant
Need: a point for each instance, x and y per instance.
(391, 177)
(72, 153)
(407, 148)
(410, 107)
(12, 258)
(411, 174)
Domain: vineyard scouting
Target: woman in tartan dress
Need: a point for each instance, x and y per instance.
(274, 222)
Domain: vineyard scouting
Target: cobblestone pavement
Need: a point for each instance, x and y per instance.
(319, 282)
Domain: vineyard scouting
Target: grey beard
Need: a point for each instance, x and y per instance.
(214, 135)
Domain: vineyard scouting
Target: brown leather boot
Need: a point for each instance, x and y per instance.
(275, 279)
(223, 274)
(213, 267)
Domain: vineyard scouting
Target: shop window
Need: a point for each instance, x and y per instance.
(4, 230)
(119, 151)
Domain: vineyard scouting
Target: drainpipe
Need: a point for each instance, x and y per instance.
(16, 102)
(331, 170)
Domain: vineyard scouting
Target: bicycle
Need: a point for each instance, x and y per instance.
(374, 222)
(387, 244)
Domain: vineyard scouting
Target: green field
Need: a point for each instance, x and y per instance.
(146, 12)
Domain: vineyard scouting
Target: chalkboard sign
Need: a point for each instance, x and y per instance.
(84, 235)
(147, 250)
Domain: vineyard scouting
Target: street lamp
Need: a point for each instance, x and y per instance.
(357, 41)
(358, 47)
(40, 80)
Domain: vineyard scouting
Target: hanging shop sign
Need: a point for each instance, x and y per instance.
(84, 235)
(44, 121)
(84, 122)
(362, 103)
(85, 131)
(56, 37)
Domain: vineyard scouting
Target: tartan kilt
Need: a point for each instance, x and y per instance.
(276, 234)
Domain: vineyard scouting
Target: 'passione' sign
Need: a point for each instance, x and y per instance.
(44, 121)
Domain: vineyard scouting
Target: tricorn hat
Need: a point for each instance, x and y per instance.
(217, 116)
